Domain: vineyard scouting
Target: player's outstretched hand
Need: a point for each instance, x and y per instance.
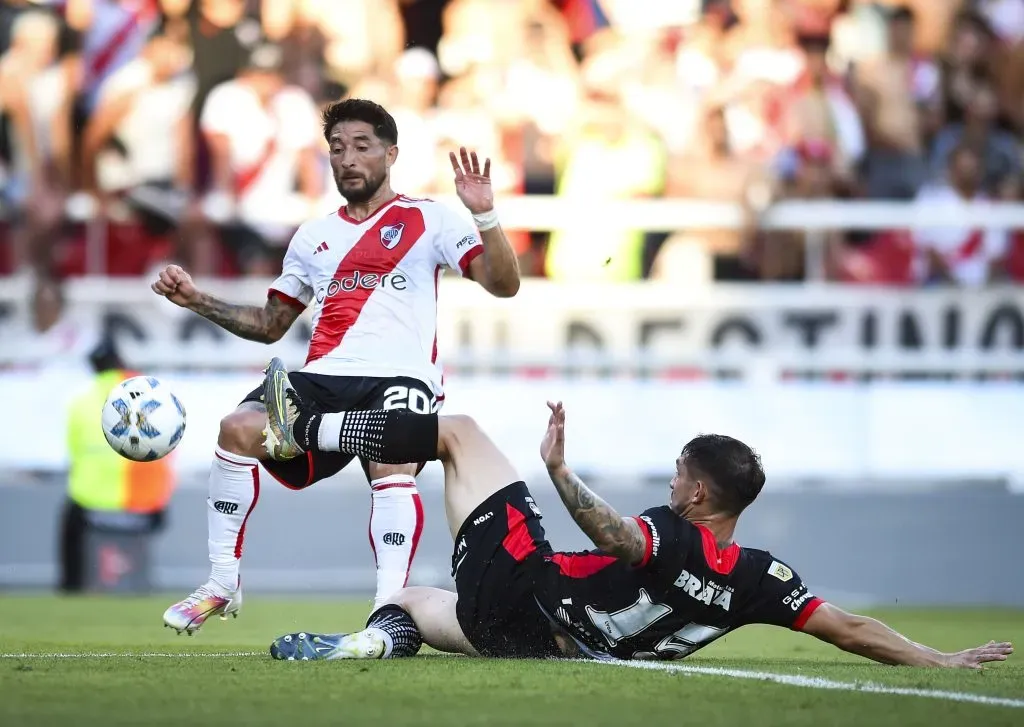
(472, 185)
(974, 658)
(552, 447)
(176, 285)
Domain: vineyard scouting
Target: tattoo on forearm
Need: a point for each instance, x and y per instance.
(603, 525)
(264, 325)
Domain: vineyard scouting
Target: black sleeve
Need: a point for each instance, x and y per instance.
(782, 598)
(668, 536)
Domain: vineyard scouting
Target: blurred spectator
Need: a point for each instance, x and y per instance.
(609, 157)
(780, 254)
(710, 170)
(998, 149)
(958, 255)
(113, 33)
(363, 36)
(36, 96)
(138, 142)
(883, 89)
(304, 45)
(818, 108)
(222, 36)
(415, 93)
(51, 338)
(264, 138)
(970, 60)
(760, 46)
(895, 94)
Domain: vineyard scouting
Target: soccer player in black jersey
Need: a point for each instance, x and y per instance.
(658, 586)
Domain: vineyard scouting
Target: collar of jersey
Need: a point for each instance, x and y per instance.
(343, 213)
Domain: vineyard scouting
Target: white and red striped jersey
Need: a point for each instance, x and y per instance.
(373, 286)
(968, 252)
(117, 33)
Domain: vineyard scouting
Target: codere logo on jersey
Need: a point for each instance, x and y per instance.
(366, 281)
(391, 235)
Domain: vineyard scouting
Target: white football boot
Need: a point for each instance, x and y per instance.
(208, 600)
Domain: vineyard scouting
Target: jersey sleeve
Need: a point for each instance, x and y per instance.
(216, 116)
(300, 129)
(293, 285)
(782, 598)
(457, 241)
(668, 538)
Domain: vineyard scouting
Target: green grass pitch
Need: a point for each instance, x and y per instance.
(153, 685)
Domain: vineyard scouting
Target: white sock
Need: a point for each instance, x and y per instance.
(396, 522)
(234, 490)
(329, 436)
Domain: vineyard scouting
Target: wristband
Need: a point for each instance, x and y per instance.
(486, 220)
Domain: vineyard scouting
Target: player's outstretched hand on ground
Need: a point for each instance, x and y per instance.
(552, 447)
(974, 658)
(472, 185)
(176, 285)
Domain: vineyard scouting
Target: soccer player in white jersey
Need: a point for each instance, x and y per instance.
(370, 271)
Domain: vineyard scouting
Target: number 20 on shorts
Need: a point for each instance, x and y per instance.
(405, 397)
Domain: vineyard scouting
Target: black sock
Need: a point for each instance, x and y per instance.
(306, 430)
(402, 638)
(390, 436)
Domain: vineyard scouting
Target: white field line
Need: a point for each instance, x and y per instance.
(794, 680)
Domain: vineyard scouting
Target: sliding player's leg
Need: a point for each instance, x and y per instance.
(413, 616)
(493, 519)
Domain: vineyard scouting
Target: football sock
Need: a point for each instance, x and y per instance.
(397, 629)
(396, 522)
(385, 436)
(234, 488)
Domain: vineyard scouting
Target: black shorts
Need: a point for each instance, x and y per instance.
(344, 393)
(496, 555)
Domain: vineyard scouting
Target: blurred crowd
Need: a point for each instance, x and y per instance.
(190, 127)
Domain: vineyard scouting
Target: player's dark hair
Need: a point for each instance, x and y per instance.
(730, 469)
(361, 109)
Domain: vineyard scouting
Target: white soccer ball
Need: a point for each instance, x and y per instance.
(142, 419)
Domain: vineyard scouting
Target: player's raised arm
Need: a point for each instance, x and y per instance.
(497, 269)
(609, 531)
(266, 325)
(874, 640)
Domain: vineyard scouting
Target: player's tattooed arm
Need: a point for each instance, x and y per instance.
(609, 531)
(265, 325)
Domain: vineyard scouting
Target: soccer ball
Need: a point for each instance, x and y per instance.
(142, 419)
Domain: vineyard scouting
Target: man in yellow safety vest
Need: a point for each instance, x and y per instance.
(106, 492)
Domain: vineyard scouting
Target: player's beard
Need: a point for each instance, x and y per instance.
(364, 192)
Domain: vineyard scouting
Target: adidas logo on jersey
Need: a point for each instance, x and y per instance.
(391, 235)
(321, 248)
(709, 593)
